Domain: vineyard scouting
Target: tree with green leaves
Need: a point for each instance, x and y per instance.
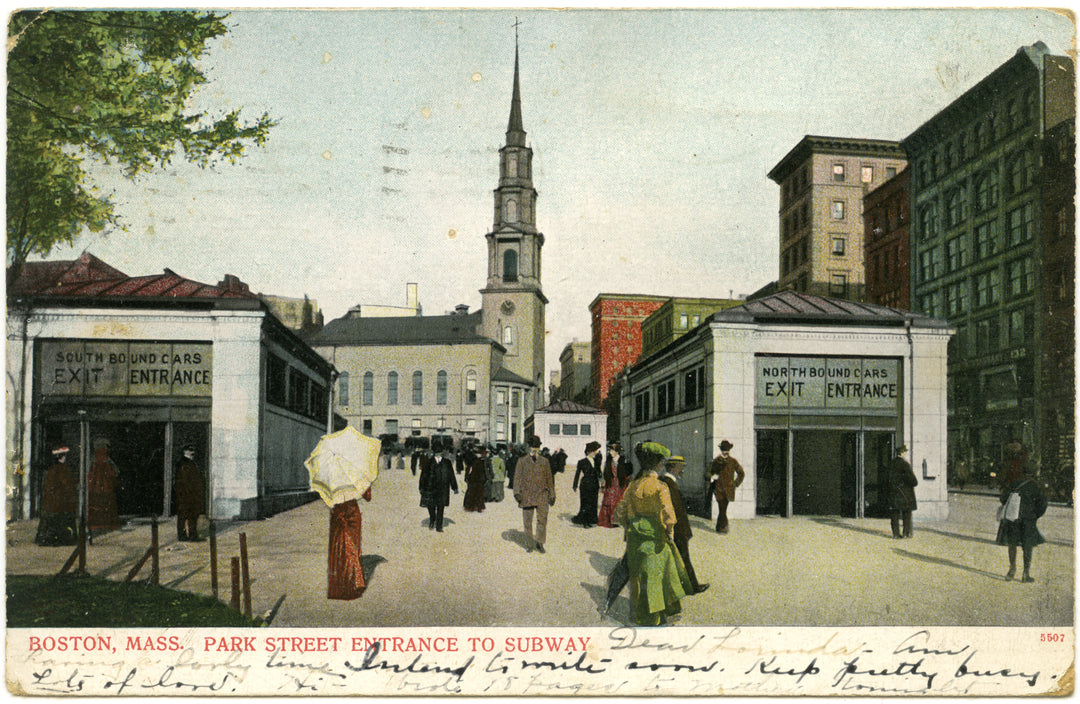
(105, 86)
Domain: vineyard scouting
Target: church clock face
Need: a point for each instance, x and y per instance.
(508, 307)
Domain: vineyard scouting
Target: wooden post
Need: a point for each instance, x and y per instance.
(246, 577)
(82, 549)
(213, 560)
(235, 601)
(155, 563)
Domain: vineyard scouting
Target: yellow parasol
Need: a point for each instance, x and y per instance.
(343, 465)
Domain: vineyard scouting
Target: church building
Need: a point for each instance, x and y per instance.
(468, 375)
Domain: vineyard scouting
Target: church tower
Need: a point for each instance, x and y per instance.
(513, 300)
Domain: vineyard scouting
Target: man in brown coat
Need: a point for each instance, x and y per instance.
(672, 469)
(727, 474)
(534, 490)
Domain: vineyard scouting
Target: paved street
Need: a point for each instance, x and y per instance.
(767, 571)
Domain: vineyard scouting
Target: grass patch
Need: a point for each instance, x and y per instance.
(75, 601)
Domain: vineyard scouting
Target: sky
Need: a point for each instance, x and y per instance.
(652, 133)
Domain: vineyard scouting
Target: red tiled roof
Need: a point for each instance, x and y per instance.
(88, 276)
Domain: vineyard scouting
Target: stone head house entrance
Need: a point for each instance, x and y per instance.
(814, 393)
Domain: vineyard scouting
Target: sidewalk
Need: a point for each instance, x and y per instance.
(808, 571)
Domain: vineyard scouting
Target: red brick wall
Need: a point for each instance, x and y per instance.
(616, 339)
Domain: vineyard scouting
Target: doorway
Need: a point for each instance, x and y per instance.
(772, 474)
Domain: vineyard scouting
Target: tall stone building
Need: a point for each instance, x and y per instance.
(886, 217)
(822, 183)
(616, 336)
(477, 375)
(980, 192)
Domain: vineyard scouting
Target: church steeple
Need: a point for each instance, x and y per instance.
(513, 299)
(515, 133)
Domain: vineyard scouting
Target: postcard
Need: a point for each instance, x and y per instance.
(524, 352)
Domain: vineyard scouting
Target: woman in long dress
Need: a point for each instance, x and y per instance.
(345, 569)
(58, 503)
(475, 478)
(658, 579)
(616, 477)
(101, 482)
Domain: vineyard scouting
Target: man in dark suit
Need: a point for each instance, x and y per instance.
(436, 481)
(588, 472)
(672, 469)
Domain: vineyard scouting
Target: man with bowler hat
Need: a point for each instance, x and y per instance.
(534, 490)
(727, 474)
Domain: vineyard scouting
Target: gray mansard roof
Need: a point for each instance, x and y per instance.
(795, 307)
(408, 330)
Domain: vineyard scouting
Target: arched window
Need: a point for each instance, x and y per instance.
(508, 336)
(440, 388)
(369, 388)
(510, 265)
(391, 389)
(418, 388)
(510, 210)
(343, 389)
(470, 387)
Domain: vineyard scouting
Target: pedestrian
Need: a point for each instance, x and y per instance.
(658, 580)
(101, 483)
(673, 468)
(345, 568)
(617, 473)
(588, 472)
(498, 477)
(436, 481)
(189, 496)
(58, 503)
(534, 490)
(902, 483)
(727, 474)
(558, 461)
(1023, 503)
(475, 477)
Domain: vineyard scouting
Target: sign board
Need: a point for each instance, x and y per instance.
(821, 383)
(89, 368)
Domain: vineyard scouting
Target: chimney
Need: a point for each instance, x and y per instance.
(412, 296)
(461, 309)
(233, 284)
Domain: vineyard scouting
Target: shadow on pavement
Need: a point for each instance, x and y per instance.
(368, 563)
(989, 541)
(519, 538)
(948, 563)
(835, 523)
(620, 610)
(183, 578)
(603, 564)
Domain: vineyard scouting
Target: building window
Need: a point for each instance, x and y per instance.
(500, 430)
(665, 397)
(366, 427)
(890, 172)
(986, 190)
(298, 392)
(838, 172)
(867, 174)
(508, 335)
(928, 221)
(956, 299)
(988, 288)
(569, 429)
(554, 428)
(1019, 330)
(391, 388)
(987, 335)
(683, 320)
(470, 387)
(1021, 224)
(955, 210)
(515, 399)
(987, 239)
(838, 210)
(343, 388)
(277, 380)
(500, 397)
(1021, 277)
(441, 381)
(369, 388)
(694, 387)
(391, 426)
(1020, 170)
(442, 423)
(418, 388)
(470, 426)
(956, 253)
(416, 428)
(838, 285)
(510, 265)
(838, 246)
(641, 407)
(585, 429)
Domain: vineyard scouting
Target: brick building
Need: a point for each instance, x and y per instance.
(885, 218)
(616, 336)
